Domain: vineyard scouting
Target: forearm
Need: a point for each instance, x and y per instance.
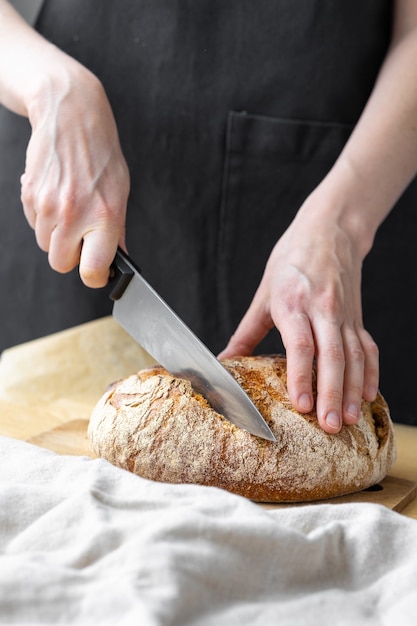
(380, 158)
(76, 181)
(23, 54)
(32, 70)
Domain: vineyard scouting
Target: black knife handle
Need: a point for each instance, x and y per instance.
(121, 273)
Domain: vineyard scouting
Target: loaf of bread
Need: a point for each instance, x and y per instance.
(156, 426)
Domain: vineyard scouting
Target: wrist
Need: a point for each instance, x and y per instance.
(343, 198)
(64, 76)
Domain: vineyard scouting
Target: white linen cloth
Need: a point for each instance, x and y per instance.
(83, 542)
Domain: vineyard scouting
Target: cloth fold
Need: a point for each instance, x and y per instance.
(83, 542)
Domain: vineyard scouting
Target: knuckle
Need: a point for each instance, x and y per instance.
(103, 216)
(332, 397)
(44, 204)
(61, 263)
(303, 344)
(67, 208)
(355, 391)
(301, 381)
(26, 194)
(356, 354)
(27, 191)
(330, 304)
(43, 244)
(333, 351)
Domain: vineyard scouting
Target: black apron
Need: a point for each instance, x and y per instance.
(230, 112)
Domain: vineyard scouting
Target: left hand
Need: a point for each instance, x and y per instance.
(310, 291)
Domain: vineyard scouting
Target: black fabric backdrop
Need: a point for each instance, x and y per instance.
(229, 114)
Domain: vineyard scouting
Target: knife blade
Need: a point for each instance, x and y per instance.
(140, 310)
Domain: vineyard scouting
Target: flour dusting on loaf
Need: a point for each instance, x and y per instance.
(156, 426)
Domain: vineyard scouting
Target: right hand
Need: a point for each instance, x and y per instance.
(76, 182)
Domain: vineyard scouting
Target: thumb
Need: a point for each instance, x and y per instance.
(254, 326)
(97, 254)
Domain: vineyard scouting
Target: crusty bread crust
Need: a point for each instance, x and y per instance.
(154, 425)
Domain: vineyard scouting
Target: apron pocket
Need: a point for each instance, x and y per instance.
(271, 165)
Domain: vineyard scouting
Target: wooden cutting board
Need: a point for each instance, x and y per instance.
(48, 388)
(71, 438)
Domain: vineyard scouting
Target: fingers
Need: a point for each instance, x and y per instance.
(298, 339)
(330, 376)
(303, 339)
(346, 356)
(82, 230)
(371, 366)
(93, 253)
(97, 255)
(358, 346)
(347, 370)
(70, 242)
(299, 343)
(353, 378)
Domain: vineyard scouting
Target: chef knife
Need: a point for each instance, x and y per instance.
(154, 325)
